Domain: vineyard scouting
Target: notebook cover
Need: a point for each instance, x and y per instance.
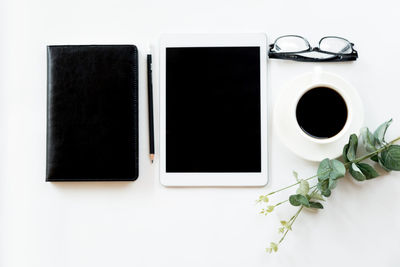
(92, 113)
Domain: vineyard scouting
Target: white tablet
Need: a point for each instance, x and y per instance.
(213, 110)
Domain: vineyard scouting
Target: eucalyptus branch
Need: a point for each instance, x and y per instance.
(387, 155)
(367, 156)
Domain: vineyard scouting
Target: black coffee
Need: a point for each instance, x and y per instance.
(321, 112)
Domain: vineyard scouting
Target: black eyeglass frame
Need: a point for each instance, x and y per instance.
(296, 57)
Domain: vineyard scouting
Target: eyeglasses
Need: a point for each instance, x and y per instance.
(295, 47)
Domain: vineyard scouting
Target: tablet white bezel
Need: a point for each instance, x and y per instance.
(213, 179)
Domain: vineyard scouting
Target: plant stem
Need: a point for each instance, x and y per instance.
(293, 219)
(394, 141)
(309, 178)
(281, 202)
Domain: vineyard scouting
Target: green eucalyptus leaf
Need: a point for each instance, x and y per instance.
(297, 200)
(375, 158)
(367, 170)
(338, 169)
(382, 164)
(381, 131)
(322, 185)
(331, 169)
(352, 151)
(323, 188)
(316, 196)
(326, 193)
(316, 205)
(391, 157)
(293, 199)
(332, 184)
(324, 170)
(368, 139)
(344, 154)
(303, 188)
(356, 172)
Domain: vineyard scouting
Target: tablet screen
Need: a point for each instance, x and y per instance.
(213, 109)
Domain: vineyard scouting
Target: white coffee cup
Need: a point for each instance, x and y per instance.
(315, 83)
(293, 136)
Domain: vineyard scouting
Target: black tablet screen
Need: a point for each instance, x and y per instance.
(213, 109)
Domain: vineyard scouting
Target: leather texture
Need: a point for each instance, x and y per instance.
(92, 113)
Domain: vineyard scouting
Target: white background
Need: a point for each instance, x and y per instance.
(144, 224)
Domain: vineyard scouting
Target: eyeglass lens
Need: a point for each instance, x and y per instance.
(288, 44)
(335, 45)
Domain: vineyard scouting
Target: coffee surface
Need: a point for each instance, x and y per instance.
(321, 112)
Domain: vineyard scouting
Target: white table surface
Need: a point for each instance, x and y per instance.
(145, 224)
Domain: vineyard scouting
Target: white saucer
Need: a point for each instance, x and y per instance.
(285, 123)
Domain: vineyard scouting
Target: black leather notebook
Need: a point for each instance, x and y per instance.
(92, 113)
